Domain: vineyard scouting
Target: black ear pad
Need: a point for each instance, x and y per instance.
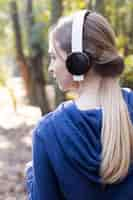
(78, 63)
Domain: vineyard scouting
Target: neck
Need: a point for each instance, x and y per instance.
(88, 93)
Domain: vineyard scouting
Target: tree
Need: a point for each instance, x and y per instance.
(36, 54)
(19, 47)
(100, 6)
(32, 67)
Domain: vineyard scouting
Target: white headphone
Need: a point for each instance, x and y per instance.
(77, 62)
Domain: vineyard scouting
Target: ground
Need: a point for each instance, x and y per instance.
(15, 148)
(17, 120)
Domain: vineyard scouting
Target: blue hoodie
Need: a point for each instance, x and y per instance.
(67, 155)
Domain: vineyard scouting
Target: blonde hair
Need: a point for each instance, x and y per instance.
(117, 132)
(117, 128)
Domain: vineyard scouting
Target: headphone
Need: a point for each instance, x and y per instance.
(77, 61)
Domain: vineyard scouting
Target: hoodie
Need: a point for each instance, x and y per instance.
(66, 156)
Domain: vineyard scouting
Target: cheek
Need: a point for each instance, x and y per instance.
(62, 72)
(65, 75)
(64, 78)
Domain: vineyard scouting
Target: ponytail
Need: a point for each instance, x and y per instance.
(117, 132)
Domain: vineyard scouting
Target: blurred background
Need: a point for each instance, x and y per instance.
(26, 91)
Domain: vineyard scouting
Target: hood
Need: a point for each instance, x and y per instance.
(78, 133)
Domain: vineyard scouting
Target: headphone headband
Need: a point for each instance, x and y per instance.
(77, 30)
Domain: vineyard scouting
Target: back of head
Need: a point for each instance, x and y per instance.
(98, 41)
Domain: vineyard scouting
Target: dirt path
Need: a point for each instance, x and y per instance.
(15, 150)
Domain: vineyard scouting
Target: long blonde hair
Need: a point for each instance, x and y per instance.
(117, 128)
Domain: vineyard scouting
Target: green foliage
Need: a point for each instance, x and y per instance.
(121, 42)
(127, 77)
(70, 6)
(129, 62)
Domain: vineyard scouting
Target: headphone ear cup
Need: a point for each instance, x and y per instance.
(78, 63)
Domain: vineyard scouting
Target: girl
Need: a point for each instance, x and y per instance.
(84, 148)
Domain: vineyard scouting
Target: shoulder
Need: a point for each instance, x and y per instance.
(45, 124)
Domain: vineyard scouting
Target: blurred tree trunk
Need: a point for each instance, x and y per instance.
(31, 69)
(100, 6)
(56, 12)
(90, 4)
(38, 83)
(19, 47)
